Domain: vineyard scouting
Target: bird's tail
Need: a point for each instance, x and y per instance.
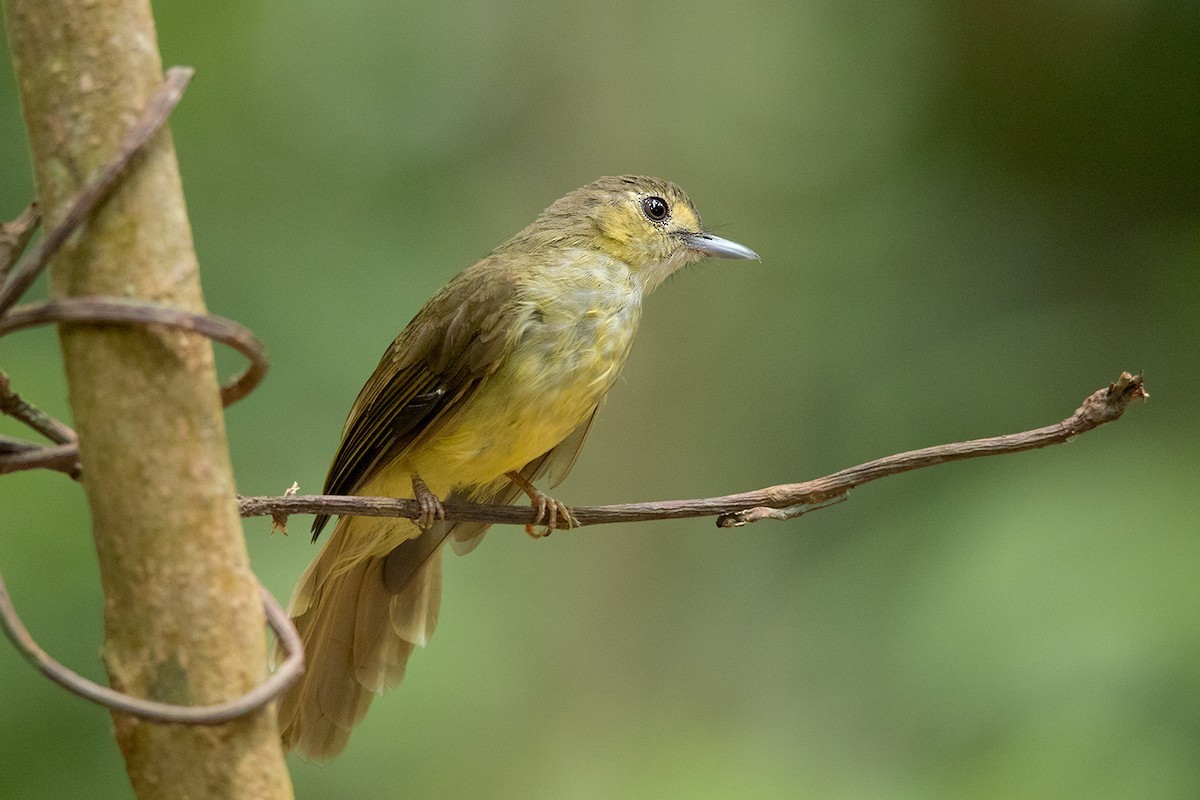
(359, 625)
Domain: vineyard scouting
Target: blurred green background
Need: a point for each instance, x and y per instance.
(971, 215)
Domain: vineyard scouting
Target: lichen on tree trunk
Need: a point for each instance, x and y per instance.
(183, 619)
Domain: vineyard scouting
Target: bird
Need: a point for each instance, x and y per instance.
(494, 384)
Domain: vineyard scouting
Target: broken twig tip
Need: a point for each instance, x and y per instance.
(1128, 388)
(279, 520)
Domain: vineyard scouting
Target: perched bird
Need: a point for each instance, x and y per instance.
(494, 383)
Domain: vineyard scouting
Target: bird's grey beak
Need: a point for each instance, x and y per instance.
(716, 246)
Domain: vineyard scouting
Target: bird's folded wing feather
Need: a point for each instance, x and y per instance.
(428, 374)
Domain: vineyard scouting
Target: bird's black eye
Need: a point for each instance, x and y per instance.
(655, 208)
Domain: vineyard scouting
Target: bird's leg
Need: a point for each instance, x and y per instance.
(553, 511)
(431, 507)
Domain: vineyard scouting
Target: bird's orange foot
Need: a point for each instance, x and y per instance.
(431, 507)
(550, 512)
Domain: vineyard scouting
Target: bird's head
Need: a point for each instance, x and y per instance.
(647, 223)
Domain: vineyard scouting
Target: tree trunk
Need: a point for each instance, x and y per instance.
(182, 613)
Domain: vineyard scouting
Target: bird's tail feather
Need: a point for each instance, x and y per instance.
(357, 633)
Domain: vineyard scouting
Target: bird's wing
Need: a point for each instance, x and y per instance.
(562, 458)
(427, 375)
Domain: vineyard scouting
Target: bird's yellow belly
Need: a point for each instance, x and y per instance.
(565, 359)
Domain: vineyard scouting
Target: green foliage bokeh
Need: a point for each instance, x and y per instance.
(970, 216)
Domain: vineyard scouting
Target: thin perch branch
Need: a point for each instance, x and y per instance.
(775, 502)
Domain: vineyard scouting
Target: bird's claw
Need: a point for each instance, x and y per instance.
(550, 512)
(431, 509)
